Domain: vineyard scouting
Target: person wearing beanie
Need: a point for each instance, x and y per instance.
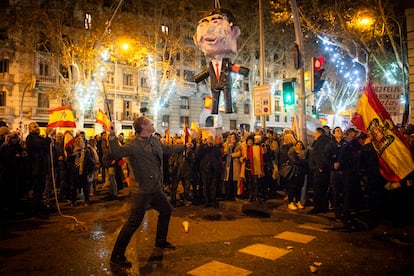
(38, 148)
(4, 130)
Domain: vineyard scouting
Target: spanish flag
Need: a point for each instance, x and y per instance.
(61, 117)
(193, 126)
(396, 161)
(208, 103)
(102, 119)
(68, 141)
(255, 156)
(187, 135)
(324, 119)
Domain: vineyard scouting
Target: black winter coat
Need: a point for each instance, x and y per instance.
(320, 154)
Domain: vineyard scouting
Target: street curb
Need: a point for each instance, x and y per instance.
(275, 208)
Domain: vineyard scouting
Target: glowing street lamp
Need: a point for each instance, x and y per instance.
(125, 46)
(365, 22)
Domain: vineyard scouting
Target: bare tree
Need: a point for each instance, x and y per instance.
(361, 31)
(81, 40)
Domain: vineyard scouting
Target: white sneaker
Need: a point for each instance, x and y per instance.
(292, 206)
(299, 205)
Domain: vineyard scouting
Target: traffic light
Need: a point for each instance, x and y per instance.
(296, 56)
(316, 74)
(36, 86)
(315, 113)
(288, 93)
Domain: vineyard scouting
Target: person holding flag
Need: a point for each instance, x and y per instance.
(395, 158)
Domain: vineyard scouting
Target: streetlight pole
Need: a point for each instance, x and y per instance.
(262, 54)
(301, 107)
(30, 85)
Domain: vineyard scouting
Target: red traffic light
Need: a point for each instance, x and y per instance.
(316, 74)
(317, 63)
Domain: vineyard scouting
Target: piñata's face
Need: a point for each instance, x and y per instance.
(215, 36)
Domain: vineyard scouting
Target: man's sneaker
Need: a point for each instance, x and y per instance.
(165, 246)
(292, 206)
(299, 205)
(120, 260)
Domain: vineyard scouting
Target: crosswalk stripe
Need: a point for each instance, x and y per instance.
(314, 226)
(218, 268)
(295, 237)
(264, 251)
(259, 250)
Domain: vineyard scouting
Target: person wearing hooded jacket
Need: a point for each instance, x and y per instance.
(320, 170)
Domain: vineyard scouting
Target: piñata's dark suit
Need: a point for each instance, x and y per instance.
(221, 83)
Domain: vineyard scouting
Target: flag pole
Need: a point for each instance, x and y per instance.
(106, 101)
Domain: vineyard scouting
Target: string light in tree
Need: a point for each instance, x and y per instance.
(348, 81)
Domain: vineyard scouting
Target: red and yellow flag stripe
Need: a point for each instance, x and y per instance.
(394, 153)
(61, 116)
(102, 119)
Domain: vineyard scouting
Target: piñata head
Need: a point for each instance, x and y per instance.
(217, 33)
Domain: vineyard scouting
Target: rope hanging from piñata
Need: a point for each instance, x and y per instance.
(217, 4)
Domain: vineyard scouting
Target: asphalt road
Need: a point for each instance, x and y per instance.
(235, 239)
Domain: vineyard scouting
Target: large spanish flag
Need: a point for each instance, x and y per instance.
(396, 160)
(102, 119)
(61, 117)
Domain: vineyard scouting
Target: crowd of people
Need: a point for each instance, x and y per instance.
(36, 169)
(338, 171)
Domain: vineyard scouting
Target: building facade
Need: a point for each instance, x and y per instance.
(33, 82)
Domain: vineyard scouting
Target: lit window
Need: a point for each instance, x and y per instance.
(127, 110)
(165, 121)
(164, 29)
(88, 21)
(43, 69)
(110, 77)
(128, 80)
(277, 106)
